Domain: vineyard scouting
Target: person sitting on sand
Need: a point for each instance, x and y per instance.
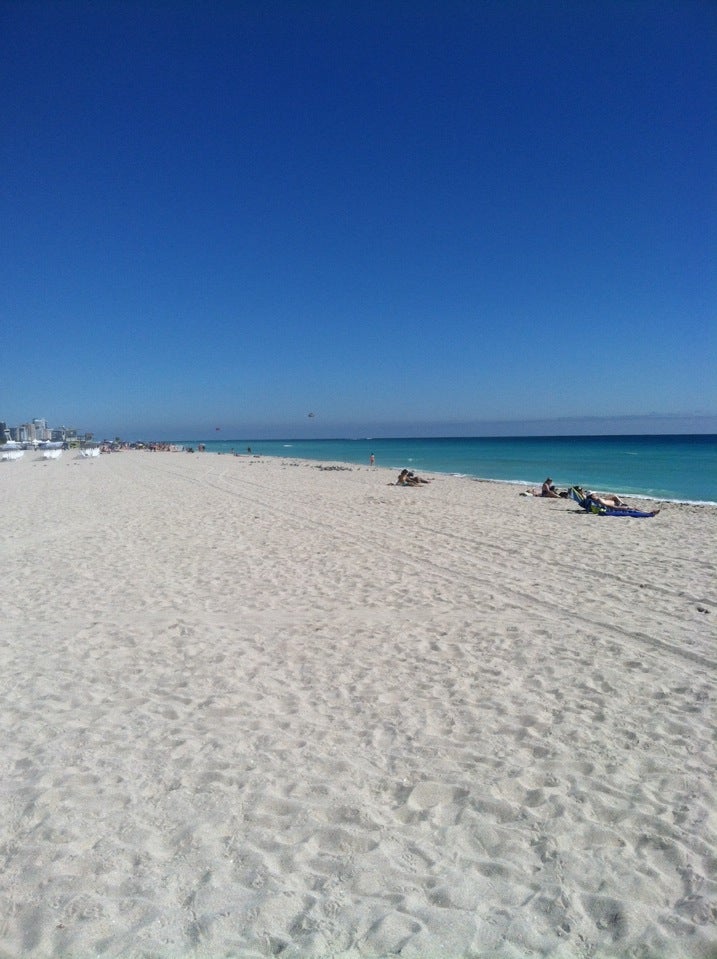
(406, 478)
(548, 490)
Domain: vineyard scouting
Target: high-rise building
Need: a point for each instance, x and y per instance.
(41, 430)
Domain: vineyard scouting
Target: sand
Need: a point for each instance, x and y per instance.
(253, 707)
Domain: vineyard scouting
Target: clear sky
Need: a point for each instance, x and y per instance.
(405, 217)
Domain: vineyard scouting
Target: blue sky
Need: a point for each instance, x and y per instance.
(406, 217)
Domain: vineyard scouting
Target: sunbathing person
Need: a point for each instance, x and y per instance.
(609, 499)
(407, 478)
(548, 490)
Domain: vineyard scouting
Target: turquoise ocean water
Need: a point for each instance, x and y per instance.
(682, 468)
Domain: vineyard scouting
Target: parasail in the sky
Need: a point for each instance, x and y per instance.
(311, 415)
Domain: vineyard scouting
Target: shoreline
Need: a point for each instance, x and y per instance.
(523, 484)
(641, 496)
(254, 706)
(627, 465)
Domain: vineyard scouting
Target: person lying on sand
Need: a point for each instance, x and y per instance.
(407, 478)
(613, 501)
(609, 499)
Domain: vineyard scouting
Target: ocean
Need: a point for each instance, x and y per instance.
(681, 468)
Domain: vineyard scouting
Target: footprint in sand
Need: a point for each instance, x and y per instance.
(428, 795)
(607, 914)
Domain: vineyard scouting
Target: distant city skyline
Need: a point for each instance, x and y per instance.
(38, 430)
(405, 217)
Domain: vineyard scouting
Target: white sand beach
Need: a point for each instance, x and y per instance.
(253, 707)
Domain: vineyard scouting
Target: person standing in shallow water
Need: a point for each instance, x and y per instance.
(371, 460)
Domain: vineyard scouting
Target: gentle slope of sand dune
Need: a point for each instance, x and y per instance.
(254, 707)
